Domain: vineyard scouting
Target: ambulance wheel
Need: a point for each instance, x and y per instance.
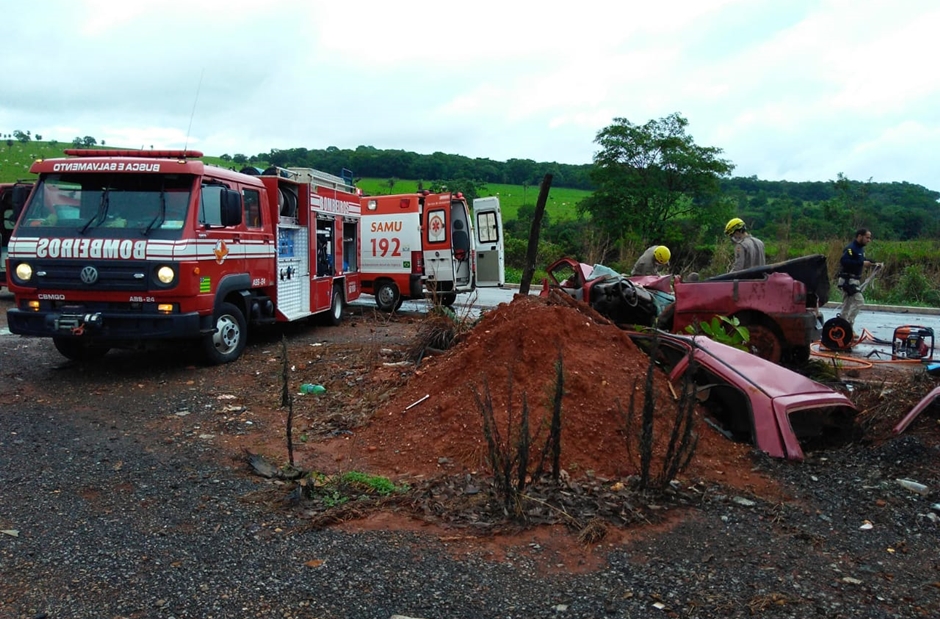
(448, 298)
(387, 297)
(231, 334)
(336, 306)
(78, 350)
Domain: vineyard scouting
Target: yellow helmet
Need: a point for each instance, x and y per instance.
(734, 225)
(662, 254)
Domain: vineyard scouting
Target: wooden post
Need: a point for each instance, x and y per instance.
(533, 247)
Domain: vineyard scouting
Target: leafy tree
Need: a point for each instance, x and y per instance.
(38, 138)
(471, 188)
(21, 136)
(854, 197)
(89, 141)
(9, 144)
(77, 142)
(227, 157)
(279, 158)
(239, 158)
(651, 175)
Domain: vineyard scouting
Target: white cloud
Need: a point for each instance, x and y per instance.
(800, 90)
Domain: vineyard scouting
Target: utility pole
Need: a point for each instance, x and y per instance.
(529, 270)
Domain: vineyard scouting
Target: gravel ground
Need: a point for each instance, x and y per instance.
(107, 515)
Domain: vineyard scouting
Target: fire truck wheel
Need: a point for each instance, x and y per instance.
(78, 350)
(387, 297)
(336, 306)
(230, 337)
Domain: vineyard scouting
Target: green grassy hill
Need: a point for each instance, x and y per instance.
(17, 157)
(562, 202)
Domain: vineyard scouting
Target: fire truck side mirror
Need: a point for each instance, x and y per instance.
(231, 207)
(20, 194)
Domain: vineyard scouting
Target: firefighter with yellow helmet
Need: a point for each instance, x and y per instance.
(653, 261)
(748, 250)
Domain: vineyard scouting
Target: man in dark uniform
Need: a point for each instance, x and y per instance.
(853, 261)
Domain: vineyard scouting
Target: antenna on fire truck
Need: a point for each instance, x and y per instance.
(193, 113)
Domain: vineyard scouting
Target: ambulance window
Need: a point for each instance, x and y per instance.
(251, 199)
(437, 229)
(487, 230)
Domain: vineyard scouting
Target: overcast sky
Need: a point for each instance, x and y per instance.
(789, 89)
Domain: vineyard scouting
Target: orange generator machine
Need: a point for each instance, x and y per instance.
(429, 245)
(133, 249)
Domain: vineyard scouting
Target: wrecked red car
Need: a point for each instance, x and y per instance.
(752, 400)
(778, 303)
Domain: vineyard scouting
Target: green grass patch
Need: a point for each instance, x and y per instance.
(562, 202)
(335, 490)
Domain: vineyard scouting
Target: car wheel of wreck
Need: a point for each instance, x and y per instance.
(765, 342)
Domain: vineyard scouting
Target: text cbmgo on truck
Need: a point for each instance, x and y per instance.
(429, 245)
(132, 249)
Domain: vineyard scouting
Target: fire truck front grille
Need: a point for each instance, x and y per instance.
(104, 276)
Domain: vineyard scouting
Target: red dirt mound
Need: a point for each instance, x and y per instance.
(522, 341)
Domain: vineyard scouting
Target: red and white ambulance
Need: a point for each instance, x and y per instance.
(128, 249)
(429, 245)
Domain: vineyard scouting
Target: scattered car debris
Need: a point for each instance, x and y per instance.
(920, 407)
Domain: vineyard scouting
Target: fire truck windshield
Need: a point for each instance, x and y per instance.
(108, 206)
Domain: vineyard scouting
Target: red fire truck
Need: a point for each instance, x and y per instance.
(131, 249)
(429, 245)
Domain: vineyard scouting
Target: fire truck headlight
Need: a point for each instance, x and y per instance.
(166, 275)
(24, 272)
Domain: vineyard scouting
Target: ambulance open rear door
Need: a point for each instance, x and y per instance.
(488, 242)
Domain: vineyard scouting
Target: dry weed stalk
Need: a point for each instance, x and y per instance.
(682, 440)
(509, 457)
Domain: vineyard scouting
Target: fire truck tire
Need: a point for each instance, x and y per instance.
(78, 350)
(387, 296)
(336, 306)
(231, 334)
